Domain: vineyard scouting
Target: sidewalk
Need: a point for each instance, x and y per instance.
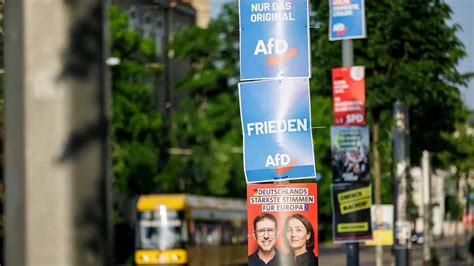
(335, 254)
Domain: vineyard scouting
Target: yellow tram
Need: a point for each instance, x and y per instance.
(181, 229)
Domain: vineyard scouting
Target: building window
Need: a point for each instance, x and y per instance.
(133, 18)
(147, 25)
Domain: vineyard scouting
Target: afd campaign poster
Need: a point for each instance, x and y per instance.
(351, 212)
(282, 222)
(274, 39)
(346, 19)
(348, 95)
(350, 154)
(276, 126)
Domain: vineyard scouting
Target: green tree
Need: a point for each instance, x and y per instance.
(138, 141)
(462, 143)
(208, 121)
(461, 157)
(410, 55)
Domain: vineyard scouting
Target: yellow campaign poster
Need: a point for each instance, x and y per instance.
(354, 200)
(383, 231)
(351, 212)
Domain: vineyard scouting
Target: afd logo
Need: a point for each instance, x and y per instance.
(282, 162)
(276, 50)
(339, 28)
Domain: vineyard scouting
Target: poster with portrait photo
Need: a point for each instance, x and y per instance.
(350, 154)
(282, 224)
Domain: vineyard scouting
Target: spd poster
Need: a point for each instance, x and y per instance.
(348, 95)
(274, 39)
(282, 222)
(276, 126)
(351, 212)
(350, 154)
(346, 19)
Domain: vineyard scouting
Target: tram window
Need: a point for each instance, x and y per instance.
(203, 233)
(158, 230)
(158, 236)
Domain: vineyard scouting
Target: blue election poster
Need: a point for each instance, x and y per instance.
(346, 19)
(274, 39)
(276, 124)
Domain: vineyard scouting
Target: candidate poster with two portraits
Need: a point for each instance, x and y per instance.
(282, 224)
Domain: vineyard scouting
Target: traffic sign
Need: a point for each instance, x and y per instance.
(274, 39)
(276, 124)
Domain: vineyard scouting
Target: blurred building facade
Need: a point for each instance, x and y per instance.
(438, 179)
(203, 11)
(161, 20)
(444, 187)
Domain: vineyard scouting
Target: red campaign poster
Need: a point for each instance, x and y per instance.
(348, 95)
(282, 224)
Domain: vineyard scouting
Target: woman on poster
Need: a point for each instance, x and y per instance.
(300, 240)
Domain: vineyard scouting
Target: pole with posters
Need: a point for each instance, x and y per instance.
(348, 60)
(400, 150)
(347, 22)
(276, 124)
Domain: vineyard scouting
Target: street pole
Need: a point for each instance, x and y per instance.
(378, 198)
(56, 136)
(426, 192)
(348, 60)
(401, 159)
(347, 53)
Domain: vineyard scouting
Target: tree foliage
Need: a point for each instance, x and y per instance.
(137, 142)
(410, 55)
(460, 157)
(207, 121)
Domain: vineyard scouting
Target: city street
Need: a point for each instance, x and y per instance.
(334, 255)
(236, 132)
